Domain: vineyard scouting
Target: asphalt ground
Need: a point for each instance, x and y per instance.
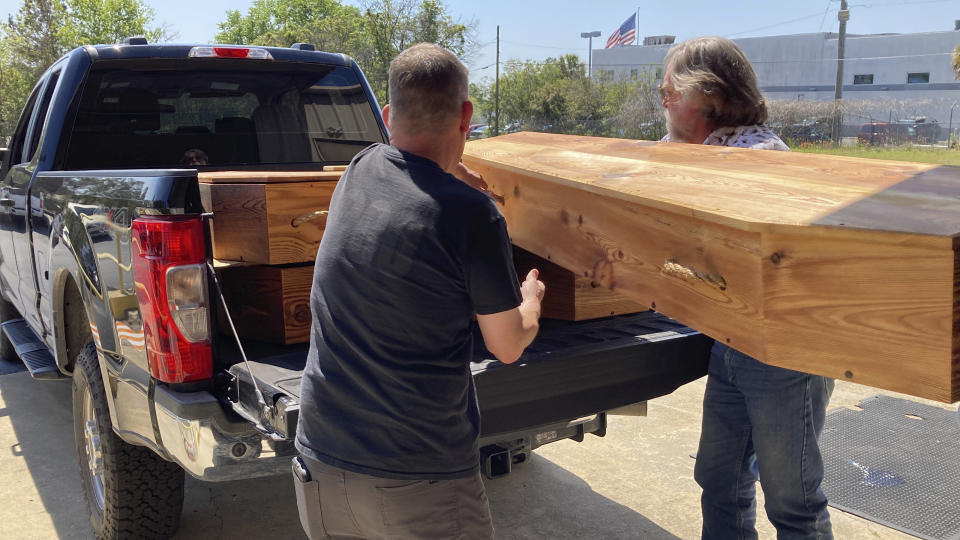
(635, 483)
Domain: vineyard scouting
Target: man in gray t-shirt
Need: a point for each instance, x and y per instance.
(410, 256)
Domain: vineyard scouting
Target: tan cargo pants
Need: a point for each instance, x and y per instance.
(337, 504)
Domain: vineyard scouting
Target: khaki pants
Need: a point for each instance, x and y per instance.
(337, 504)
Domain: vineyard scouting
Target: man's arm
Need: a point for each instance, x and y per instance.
(507, 334)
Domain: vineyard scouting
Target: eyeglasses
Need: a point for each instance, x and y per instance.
(668, 94)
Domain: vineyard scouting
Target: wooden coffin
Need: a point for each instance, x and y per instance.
(837, 266)
(268, 303)
(267, 217)
(571, 297)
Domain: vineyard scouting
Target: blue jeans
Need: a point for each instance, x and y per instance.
(761, 419)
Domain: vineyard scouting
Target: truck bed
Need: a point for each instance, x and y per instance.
(572, 369)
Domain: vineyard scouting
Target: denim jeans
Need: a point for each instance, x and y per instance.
(761, 419)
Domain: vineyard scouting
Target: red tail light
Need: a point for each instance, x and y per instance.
(169, 257)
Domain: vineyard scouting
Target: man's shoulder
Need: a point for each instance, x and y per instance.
(756, 136)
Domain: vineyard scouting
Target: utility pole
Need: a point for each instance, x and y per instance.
(843, 16)
(496, 92)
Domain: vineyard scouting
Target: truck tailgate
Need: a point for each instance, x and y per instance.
(572, 369)
(575, 369)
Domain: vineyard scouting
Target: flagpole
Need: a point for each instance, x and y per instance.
(636, 28)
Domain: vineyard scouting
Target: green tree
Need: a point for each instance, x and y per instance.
(110, 21)
(43, 30)
(556, 95)
(372, 34)
(956, 61)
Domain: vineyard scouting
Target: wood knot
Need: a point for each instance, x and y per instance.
(603, 273)
(687, 273)
(778, 257)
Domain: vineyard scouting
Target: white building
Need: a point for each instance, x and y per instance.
(904, 75)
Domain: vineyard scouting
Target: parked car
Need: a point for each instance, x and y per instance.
(479, 131)
(883, 133)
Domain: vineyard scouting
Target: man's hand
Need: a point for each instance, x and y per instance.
(532, 289)
(470, 177)
(507, 334)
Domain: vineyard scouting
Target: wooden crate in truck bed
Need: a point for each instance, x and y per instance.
(267, 217)
(267, 226)
(838, 266)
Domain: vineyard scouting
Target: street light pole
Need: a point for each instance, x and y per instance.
(950, 125)
(590, 36)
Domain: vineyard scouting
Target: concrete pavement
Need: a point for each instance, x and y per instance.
(637, 482)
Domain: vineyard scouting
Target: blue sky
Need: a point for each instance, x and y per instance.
(537, 29)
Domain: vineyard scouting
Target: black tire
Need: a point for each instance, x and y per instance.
(7, 312)
(131, 492)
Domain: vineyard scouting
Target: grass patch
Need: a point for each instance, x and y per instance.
(938, 156)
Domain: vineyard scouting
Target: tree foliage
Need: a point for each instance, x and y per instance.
(372, 34)
(556, 95)
(43, 30)
(956, 61)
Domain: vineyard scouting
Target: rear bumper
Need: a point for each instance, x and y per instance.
(212, 444)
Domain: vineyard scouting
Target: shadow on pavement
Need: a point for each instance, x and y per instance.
(538, 500)
(39, 457)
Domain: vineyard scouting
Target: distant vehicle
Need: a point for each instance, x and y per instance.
(926, 131)
(883, 133)
(479, 131)
(800, 133)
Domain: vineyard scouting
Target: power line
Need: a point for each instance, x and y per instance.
(817, 14)
(825, 11)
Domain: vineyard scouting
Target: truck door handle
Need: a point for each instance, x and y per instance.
(6, 203)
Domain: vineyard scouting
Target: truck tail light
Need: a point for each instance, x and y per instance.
(210, 51)
(169, 257)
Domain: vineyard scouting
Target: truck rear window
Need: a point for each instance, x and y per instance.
(157, 115)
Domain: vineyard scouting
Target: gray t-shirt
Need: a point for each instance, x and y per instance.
(409, 255)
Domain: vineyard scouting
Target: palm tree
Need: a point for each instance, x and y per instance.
(956, 61)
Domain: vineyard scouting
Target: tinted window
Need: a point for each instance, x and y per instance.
(918, 77)
(863, 79)
(235, 112)
(40, 118)
(15, 152)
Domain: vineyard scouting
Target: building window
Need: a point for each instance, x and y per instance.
(863, 79)
(659, 74)
(918, 78)
(633, 74)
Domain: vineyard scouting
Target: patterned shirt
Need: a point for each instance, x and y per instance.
(759, 137)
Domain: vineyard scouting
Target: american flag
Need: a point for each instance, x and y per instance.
(625, 35)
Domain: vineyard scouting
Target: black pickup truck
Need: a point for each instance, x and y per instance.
(107, 277)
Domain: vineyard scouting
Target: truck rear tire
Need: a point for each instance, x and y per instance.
(131, 492)
(7, 312)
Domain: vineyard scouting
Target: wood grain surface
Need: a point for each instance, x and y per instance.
(843, 267)
(269, 303)
(571, 297)
(277, 223)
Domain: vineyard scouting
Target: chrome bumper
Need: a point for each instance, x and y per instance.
(197, 433)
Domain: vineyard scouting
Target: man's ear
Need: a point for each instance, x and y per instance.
(385, 113)
(466, 114)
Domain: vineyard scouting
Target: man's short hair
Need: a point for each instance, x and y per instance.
(717, 70)
(428, 86)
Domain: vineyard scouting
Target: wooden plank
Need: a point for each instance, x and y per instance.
(838, 266)
(570, 297)
(277, 223)
(269, 303)
(266, 177)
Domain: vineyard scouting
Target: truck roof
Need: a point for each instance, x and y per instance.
(283, 54)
